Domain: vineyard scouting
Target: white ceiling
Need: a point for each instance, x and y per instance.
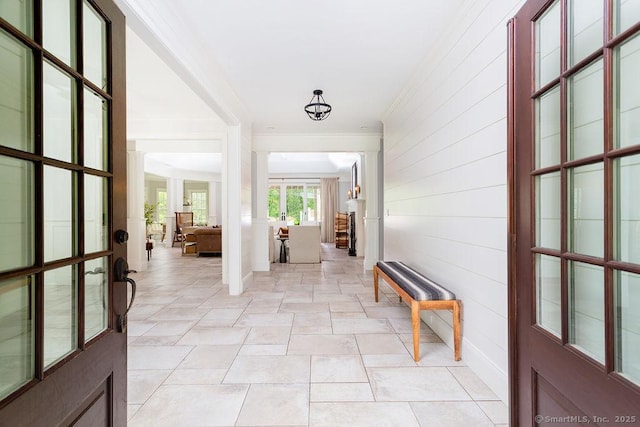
(273, 54)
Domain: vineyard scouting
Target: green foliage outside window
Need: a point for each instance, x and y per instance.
(295, 203)
(294, 195)
(161, 211)
(274, 203)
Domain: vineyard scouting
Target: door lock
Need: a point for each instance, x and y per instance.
(121, 273)
(121, 236)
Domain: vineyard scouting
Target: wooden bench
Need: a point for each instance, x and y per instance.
(420, 293)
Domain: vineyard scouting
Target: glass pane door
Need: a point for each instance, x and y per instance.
(586, 177)
(295, 203)
(55, 187)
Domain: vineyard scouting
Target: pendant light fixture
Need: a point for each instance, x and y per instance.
(317, 109)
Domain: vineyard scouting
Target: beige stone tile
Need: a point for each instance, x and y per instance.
(361, 414)
(170, 328)
(361, 315)
(345, 307)
(214, 336)
(275, 405)
(143, 311)
(263, 350)
(341, 392)
(223, 313)
(388, 360)
(402, 312)
(269, 369)
(269, 335)
(312, 307)
(144, 340)
(337, 368)
(426, 334)
(297, 297)
(472, 383)
(497, 411)
(196, 376)
(268, 306)
(199, 291)
(265, 319)
(153, 298)
(184, 405)
(450, 414)
(179, 313)
(156, 357)
(380, 344)
(131, 410)
(415, 384)
(291, 327)
(210, 356)
(312, 323)
(323, 344)
(361, 326)
(189, 301)
(137, 328)
(141, 384)
(227, 302)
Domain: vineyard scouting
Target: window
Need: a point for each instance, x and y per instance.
(199, 206)
(298, 202)
(312, 196)
(161, 211)
(295, 203)
(274, 203)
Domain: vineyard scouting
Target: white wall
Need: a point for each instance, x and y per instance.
(445, 192)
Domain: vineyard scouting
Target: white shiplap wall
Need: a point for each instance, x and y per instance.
(445, 175)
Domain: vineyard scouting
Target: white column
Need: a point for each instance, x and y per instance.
(372, 216)
(175, 192)
(213, 203)
(136, 226)
(232, 205)
(260, 224)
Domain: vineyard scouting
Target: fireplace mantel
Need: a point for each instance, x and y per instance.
(358, 207)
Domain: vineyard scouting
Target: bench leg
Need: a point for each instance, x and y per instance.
(375, 281)
(415, 324)
(456, 329)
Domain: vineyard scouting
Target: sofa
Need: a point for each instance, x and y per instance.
(208, 240)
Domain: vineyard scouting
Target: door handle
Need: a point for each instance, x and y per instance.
(121, 273)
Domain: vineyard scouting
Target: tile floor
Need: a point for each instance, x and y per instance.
(305, 345)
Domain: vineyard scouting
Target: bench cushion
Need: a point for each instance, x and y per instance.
(415, 284)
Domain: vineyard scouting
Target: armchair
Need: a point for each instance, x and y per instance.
(304, 244)
(182, 219)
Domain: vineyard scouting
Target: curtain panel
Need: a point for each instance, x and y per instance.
(329, 198)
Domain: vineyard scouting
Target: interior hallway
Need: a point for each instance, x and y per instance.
(305, 345)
